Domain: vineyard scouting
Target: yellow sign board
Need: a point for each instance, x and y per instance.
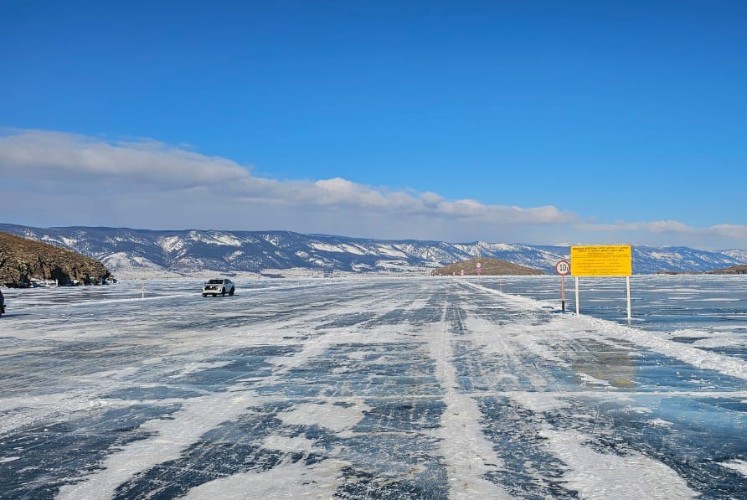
(602, 260)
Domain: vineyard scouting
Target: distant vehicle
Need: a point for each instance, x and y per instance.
(217, 287)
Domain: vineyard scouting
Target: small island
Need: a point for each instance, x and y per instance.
(738, 269)
(488, 267)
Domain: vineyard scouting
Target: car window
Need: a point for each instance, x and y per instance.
(215, 282)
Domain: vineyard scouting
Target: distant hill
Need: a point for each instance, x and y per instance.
(740, 269)
(138, 253)
(488, 267)
(22, 260)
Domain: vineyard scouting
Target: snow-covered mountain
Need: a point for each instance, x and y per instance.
(130, 252)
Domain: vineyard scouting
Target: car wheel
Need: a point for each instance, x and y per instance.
(204, 295)
(232, 292)
(223, 292)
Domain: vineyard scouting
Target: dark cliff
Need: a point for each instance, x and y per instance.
(22, 259)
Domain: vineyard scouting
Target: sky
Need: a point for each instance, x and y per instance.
(545, 122)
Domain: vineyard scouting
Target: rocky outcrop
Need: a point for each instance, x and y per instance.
(488, 267)
(23, 260)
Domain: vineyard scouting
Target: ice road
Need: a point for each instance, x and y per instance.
(363, 388)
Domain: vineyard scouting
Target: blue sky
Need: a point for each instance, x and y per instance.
(528, 121)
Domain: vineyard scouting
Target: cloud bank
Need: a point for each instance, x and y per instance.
(55, 178)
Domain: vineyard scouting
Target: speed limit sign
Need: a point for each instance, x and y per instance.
(563, 267)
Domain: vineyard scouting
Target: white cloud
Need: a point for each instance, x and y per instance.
(75, 162)
(339, 191)
(53, 178)
(728, 231)
(669, 232)
(66, 158)
(663, 226)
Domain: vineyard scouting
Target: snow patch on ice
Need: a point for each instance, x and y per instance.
(170, 438)
(191, 368)
(335, 417)
(538, 402)
(589, 380)
(658, 422)
(607, 475)
(289, 444)
(737, 465)
(289, 480)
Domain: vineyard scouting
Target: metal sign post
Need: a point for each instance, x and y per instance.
(630, 311)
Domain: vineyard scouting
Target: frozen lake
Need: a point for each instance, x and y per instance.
(376, 388)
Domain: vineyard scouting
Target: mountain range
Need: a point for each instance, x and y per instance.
(142, 253)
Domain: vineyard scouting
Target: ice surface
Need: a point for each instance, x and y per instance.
(375, 388)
